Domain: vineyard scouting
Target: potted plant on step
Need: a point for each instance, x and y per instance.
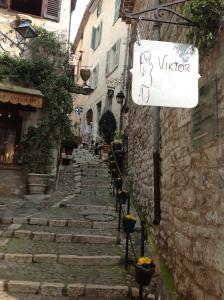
(129, 222)
(144, 270)
(107, 128)
(69, 144)
(36, 156)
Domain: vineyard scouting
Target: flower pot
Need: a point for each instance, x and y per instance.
(37, 183)
(128, 225)
(144, 273)
(122, 197)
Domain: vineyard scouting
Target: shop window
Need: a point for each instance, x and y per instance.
(3, 3)
(7, 145)
(49, 9)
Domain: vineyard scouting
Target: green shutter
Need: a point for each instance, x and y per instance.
(100, 31)
(107, 63)
(117, 10)
(99, 8)
(93, 40)
(97, 74)
(118, 47)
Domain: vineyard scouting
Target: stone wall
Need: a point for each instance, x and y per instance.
(191, 233)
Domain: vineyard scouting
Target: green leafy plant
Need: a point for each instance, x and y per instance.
(107, 126)
(43, 69)
(208, 15)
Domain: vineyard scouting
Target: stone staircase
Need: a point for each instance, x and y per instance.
(70, 250)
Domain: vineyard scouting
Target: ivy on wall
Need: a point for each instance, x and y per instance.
(42, 69)
(208, 14)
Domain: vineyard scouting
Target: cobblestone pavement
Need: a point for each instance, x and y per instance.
(66, 246)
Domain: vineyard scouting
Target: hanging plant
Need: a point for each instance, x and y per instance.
(208, 15)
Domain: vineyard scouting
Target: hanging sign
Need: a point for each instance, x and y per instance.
(165, 74)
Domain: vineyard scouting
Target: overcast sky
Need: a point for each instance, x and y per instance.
(77, 17)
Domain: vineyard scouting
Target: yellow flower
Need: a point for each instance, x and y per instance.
(144, 260)
(131, 217)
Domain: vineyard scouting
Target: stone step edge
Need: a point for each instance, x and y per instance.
(57, 222)
(72, 260)
(73, 289)
(60, 237)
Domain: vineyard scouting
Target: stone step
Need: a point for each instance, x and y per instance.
(72, 260)
(14, 245)
(60, 237)
(66, 274)
(56, 290)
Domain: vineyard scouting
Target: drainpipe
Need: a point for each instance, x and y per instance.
(156, 134)
(125, 72)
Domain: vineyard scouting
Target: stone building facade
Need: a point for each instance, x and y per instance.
(20, 106)
(190, 236)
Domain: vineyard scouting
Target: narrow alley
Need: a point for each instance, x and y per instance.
(67, 245)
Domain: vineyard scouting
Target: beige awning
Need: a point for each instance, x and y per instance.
(20, 95)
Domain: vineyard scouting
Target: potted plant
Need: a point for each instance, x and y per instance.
(129, 222)
(107, 127)
(144, 270)
(36, 156)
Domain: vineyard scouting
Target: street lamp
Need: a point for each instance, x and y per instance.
(25, 30)
(120, 97)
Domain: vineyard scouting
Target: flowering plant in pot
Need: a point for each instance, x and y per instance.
(129, 222)
(144, 270)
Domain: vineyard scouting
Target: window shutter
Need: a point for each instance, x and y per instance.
(99, 8)
(93, 40)
(117, 10)
(97, 75)
(100, 32)
(52, 9)
(118, 46)
(107, 63)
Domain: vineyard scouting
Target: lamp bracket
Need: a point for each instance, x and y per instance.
(4, 38)
(160, 14)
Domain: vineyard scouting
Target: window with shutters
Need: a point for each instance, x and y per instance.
(96, 36)
(117, 10)
(94, 77)
(27, 6)
(99, 8)
(49, 9)
(112, 58)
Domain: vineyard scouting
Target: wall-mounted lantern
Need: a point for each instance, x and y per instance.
(120, 97)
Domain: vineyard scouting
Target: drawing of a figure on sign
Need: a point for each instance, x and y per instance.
(146, 76)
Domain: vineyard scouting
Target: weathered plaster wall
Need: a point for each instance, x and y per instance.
(191, 233)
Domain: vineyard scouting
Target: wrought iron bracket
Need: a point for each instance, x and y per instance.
(160, 13)
(4, 38)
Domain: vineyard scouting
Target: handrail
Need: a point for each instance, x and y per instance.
(115, 159)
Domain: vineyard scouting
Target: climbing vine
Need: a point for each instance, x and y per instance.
(42, 69)
(208, 15)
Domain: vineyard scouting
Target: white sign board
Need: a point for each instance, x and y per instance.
(165, 74)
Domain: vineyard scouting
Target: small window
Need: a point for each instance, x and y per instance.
(93, 82)
(99, 8)
(96, 36)
(117, 10)
(113, 57)
(28, 7)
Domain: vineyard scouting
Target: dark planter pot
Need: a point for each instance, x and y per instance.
(118, 183)
(122, 197)
(69, 150)
(144, 273)
(128, 225)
